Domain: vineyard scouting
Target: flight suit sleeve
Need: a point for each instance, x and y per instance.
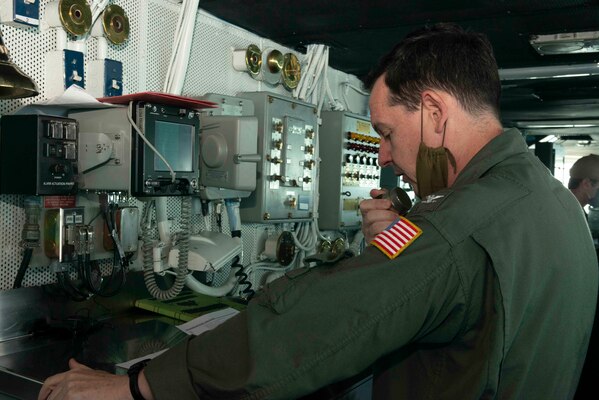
(317, 326)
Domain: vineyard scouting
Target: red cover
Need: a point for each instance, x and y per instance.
(160, 98)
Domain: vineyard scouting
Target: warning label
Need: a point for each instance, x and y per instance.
(59, 201)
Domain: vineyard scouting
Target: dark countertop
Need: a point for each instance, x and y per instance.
(98, 344)
(40, 330)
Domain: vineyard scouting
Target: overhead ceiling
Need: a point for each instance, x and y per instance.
(359, 32)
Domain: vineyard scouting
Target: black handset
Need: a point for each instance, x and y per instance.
(400, 200)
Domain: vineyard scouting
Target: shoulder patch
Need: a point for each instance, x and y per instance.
(396, 237)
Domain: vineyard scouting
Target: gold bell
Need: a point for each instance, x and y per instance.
(14, 83)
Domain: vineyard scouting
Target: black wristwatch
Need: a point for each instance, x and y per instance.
(133, 373)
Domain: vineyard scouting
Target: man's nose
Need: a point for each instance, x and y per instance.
(384, 154)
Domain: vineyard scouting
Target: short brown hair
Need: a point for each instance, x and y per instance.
(443, 56)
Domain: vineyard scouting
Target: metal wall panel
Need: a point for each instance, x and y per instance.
(145, 57)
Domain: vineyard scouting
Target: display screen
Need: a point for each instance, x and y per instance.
(175, 143)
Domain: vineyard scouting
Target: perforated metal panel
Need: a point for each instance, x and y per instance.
(161, 22)
(212, 50)
(27, 47)
(145, 57)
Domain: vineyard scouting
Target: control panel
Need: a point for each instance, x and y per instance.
(349, 170)
(175, 135)
(114, 157)
(286, 172)
(38, 155)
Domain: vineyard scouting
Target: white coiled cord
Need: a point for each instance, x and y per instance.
(148, 248)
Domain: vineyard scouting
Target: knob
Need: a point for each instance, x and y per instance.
(307, 179)
(278, 144)
(274, 160)
(310, 133)
(309, 164)
(57, 168)
(278, 126)
(310, 149)
(280, 178)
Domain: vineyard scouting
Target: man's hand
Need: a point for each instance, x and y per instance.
(82, 382)
(377, 214)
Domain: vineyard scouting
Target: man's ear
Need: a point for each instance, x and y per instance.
(434, 108)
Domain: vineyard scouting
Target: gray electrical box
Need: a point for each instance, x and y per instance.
(348, 170)
(140, 158)
(228, 156)
(286, 175)
(227, 105)
(104, 149)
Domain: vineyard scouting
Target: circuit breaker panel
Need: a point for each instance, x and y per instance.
(348, 170)
(286, 174)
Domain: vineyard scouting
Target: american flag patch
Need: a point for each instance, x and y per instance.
(399, 235)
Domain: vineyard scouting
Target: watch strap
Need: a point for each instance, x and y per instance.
(133, 373)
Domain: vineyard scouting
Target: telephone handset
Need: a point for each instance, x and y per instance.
(400, 200)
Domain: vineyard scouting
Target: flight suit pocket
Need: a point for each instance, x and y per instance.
(282, 294)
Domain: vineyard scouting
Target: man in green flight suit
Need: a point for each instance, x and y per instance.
(485, 289)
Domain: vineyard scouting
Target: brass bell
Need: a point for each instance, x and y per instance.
(14, 83)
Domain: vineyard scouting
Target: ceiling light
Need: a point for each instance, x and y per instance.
(584, 143)
(566, 43)
(549, 72)
(549, 139)
(556, 124)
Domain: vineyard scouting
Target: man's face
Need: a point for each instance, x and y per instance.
(592, 191)
(399, 130)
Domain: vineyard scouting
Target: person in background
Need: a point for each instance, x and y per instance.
(484, 289)
(584, 184)
(584, 180)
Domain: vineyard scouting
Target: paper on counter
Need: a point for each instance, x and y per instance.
(196, 326)
(207, 321)
(128, 364)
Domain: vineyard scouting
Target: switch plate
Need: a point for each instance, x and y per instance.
(71, 64)
(105, 78)
(73, 69)
(20, 13)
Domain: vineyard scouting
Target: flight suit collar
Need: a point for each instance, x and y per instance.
(508, 144)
